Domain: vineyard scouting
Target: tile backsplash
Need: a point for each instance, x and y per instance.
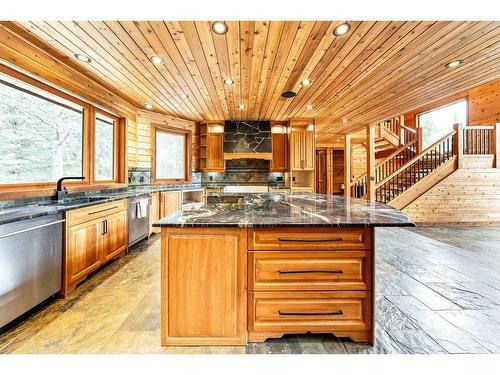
(139, 176)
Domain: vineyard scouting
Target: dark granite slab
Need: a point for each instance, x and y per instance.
(9, 214)
(287, 210)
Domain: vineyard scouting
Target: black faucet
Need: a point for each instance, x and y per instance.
(61, 192)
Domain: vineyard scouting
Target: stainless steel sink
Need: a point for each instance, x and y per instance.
(75, 201)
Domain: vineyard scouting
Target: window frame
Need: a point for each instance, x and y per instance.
(116, 146)
(464, 99)
(187, 154)
(32, 189)
(441, 106)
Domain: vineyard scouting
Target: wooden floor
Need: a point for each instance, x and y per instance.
(438, 291)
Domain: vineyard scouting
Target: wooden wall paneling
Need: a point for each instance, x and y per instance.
(41, 63)
(468, 196)
(347, 165)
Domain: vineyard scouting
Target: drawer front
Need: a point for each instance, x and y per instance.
(312, 270)
(309, 311)
(85, 214)
(309, 238)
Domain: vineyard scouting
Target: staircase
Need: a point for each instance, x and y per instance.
(408, 172)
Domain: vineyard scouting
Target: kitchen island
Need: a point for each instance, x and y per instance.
(245, 268)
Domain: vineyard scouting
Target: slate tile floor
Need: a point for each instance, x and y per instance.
(438, 291)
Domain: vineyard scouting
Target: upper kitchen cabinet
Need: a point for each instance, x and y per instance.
(212, 147)
(302, 145)
(279, 139)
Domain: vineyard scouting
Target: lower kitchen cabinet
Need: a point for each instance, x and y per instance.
(154, 212)
(204, 295)
(170, 202)
(94, 235)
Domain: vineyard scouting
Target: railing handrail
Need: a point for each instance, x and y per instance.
(416, 158)
(386, 159)
(414, 131)
(480, 127)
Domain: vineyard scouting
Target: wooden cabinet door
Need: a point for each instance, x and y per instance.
(321, 175)
(171, 201)
(309, 150)
(296, 150)
(154, 212)
(115, 238)
(83, 250)
(204, 273)
(279, 163)
(215, 152)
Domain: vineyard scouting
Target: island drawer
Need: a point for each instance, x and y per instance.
(296, 312)
(309, 238)
(82, 215)
(309, 270)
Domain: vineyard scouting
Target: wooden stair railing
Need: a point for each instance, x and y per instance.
(416, 169)
(385, 167)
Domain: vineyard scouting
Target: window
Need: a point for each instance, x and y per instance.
(46, 134)
(104, 148)
(171, 155)
(437, 123)
(42, 135)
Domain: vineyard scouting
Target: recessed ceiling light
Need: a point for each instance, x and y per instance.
(342, 29)
(289, 94)
(345, 120)
(157, 60)
(242, 106)
(184, 95)
(305, 82)
(454, 63)
(309, 107)
(219, 27)
(83, 57)
(148, 106)
(228, 81)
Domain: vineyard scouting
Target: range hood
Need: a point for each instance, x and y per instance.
(247, 165)
(247, 140)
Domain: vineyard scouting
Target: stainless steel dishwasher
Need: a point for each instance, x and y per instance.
(138, 218)
(30, 264)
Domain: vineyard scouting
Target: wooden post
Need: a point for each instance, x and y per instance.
(370, 162)
(458, 146)
(420, 140)
(347, 165)
(496, 137)
(401, 133)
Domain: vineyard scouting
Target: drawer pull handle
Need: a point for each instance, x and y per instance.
(312, 240)
(338, 312)
(105, 209)
(312, 271)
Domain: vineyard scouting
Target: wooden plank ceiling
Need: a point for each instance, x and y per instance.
(377, 70)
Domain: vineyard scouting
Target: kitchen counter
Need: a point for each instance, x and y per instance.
(255, 266)
(280, 210)
(48, 207)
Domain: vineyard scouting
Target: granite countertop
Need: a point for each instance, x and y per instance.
(47, 207)
(279, 210)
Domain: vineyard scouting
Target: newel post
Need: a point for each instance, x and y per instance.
(347, 165)
(497, 144)
(420, 139)
(370, 162)
(458, 145)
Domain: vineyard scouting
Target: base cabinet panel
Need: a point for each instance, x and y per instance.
(92, 243)
(309, 270)
(83, 250)
(204, 287)
(340, 313)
